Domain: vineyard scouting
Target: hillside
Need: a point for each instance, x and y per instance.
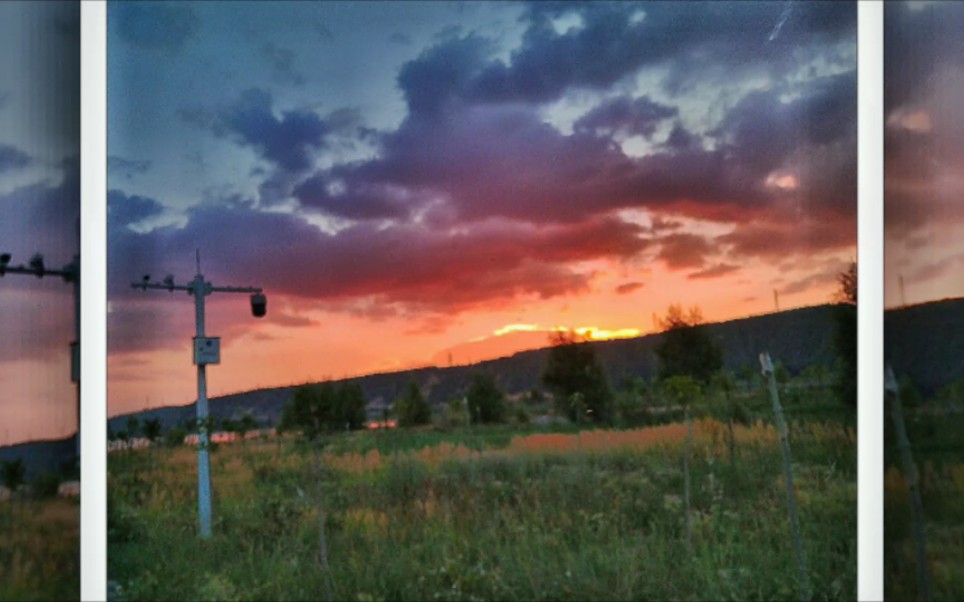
(926, 343)
(41, 456)
(796, 338)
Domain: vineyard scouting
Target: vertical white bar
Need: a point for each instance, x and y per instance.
(870, 308)
(93, 342)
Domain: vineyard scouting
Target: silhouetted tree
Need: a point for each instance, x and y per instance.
(411, 408)
(845, 336)
(247, 424)
(133, 426)
(686, 349)
(576, 379)
(316, 409)
(486, 401)
(152, 429)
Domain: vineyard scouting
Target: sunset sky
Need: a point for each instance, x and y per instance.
(411, 182)
(39, 209)
(924, 151)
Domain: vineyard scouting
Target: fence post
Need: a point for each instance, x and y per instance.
(910, 477)
(686, 480)
(767, 367)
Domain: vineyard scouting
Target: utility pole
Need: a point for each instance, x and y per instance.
(207, 350)
(903, 293)
(71, 275)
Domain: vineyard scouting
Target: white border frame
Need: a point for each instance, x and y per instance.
(870, 306)
(93, 289)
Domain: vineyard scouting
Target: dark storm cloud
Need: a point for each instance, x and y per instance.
(288, 141)
(411, 265)
(154, 24)
(626, 115)
(123, 210)
(12, 158)
(617, 39)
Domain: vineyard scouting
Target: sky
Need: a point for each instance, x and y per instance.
(432, 183)
(923, 152)
(39, 212)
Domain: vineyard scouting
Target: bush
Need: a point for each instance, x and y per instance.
(175, 437)
(46, 485)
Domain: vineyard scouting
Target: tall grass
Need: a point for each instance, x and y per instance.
(39, 550)
(572, 516)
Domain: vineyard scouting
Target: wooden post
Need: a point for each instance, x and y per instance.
(767, 367)
(910, 477)
(322, 542)
(686, 480)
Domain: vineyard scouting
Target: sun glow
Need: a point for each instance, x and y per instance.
(592, 333)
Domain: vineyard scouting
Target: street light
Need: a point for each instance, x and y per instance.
(207, 350)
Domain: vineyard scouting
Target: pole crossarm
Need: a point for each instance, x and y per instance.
(191, 288)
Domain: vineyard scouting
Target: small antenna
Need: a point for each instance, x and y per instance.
(903, 293)
(776, 300)
(197, 256)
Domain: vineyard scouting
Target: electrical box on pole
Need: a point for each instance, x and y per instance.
(207, 350)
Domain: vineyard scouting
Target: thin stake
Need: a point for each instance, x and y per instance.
(322, 541)
(911, 479)
(767, 366)
(686, 481)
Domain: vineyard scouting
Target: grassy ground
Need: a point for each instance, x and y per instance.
(489, 514)
(937, 448)
(39, 550)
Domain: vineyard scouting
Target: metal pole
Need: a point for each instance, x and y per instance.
(768, 372)
(910, 478)
(199, 291)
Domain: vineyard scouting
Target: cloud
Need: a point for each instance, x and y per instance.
(281, 60)
(124, 210)
(628, 287)
(154, 24)
(288, 141)
(401, 39)
(684, 250)
(120, 167)
(12, 158)
(716, 271)
(628, 116)
(415, 266)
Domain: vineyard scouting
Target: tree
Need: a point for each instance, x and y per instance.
(845, 336)
(486, 401)
(246, 425)
(152, 429)
(13, 473)
(686, 349)
(133, 425)
(411, 408)
(576, 379)
(316, 409)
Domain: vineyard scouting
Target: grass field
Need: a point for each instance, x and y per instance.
(490, 514)
(40, 550)
(937, 452)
